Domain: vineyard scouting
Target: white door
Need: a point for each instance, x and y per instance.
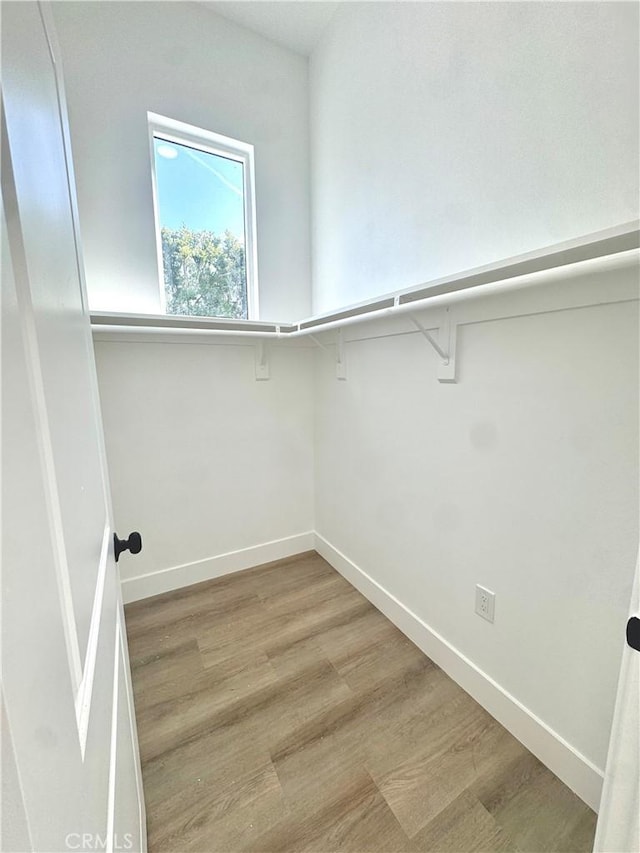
(618, 829)
(69, 734)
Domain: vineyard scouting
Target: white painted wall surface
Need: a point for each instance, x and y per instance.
(14, 827)
(444, 136)
(205, 460)
(183, 61)
(450, 135)
(522, 477)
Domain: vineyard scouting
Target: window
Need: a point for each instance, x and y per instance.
(205, 221)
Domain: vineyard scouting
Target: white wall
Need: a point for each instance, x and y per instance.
(450, 135)
(444, 136)
(521, 477)
(205, 460)
(183, 61)
(14, 827)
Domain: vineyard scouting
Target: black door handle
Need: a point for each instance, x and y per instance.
(132, 544)
(633, 633)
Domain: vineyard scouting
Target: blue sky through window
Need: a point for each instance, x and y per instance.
(200, 190)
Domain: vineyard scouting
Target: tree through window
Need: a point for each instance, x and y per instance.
(203, 192)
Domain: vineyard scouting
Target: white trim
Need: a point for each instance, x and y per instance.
(618, 825)
(142, 826)
(113, 751)
(573, 768)
(175, 577)
(133, 732)
(128, 686)
(180, 133)
(36, 390)
(156, 221)
(85, 690)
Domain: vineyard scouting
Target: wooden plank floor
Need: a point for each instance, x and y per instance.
(279, 711)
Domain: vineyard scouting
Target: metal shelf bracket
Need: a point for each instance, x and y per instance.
(444, 346)
(262, 361)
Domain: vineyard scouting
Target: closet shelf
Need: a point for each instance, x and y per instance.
(600, 246)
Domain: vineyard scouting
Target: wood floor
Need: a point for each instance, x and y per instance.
(279, 711)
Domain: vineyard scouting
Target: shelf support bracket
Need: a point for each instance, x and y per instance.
(341, 364)
(444, 356)
(318, 343)
(262, 361)
(445, 346)
(448, 334)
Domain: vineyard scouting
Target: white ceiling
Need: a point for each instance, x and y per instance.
(296, 24)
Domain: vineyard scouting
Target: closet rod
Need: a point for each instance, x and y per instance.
(600, 264)
(600, 251)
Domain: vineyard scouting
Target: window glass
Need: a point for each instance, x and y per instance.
(200, 198)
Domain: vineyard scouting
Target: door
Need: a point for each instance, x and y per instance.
(619, 818)
(69, 728)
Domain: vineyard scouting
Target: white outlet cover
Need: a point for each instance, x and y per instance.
(485, 603)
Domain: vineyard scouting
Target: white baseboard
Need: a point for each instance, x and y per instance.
(165, 580)
(573, 768)
(576, 771)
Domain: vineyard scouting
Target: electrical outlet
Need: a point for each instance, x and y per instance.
(485, 603)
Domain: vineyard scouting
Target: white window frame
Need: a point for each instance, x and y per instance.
(171, 130)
